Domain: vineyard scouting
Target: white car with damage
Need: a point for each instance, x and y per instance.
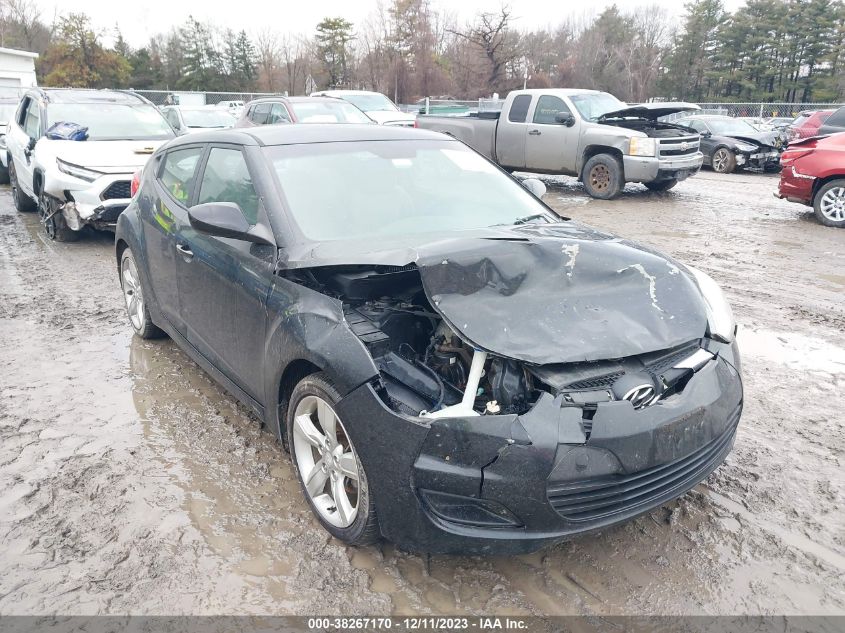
(87, 182)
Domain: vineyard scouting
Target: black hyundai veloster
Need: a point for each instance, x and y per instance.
(452, 365)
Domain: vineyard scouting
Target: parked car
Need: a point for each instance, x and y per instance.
(807, 124)
(775, 124)
(186, 120)
(376, 106)
(814, 174)
(728, 143)
(451, 365)
(583, 133)
(235, 108)
(275, 110)
(85, 182)
(8, 105)
(834, 123)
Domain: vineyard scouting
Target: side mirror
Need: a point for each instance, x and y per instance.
(706, 134)
(535, 186)
(565, 118)
(225, 219)
(31, 145)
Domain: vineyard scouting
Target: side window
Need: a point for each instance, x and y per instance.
(519, 109)
(20, 115)
(547, 108)
(278, 114)
(178, 173)
(227, 179)
(837, 118)
(696, 125)
(260, 113)
(32, 123)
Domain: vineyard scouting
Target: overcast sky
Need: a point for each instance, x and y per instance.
(139, 19)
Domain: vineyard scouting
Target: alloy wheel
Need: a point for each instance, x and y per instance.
(832, 204)
(720, 160)
(46, 215)
(132, 293)
(600, 177)
(327, 461)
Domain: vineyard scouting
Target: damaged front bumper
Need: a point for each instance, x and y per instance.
(511, 484)
(758, 159)
(98, 203)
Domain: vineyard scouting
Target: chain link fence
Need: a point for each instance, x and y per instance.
(759, 111)
(189, 98)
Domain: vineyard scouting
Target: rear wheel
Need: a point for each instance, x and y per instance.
(53, 221)
(23, 202)
(602, 177)
(4, 175)
(829, 204)
(331, 473)
(662, 185)
(723, 161)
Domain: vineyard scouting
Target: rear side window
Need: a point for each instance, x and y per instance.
(227, 179)
(179, 172)
(278, 114)
(547, 108)
(259, 113)
(519, 109)
(837, 118)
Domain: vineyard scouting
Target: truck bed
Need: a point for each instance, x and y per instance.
(479, 132)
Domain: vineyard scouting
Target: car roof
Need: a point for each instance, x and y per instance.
(300, 99)
(295, 134)
(84, 95)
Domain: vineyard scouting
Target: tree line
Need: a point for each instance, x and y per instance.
(767, 50)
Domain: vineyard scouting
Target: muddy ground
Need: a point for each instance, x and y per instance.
(131, 483)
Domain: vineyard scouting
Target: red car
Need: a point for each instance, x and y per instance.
(814, 174)
(807, 124)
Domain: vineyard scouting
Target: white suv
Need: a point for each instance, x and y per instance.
(374, 104)
(73, 183)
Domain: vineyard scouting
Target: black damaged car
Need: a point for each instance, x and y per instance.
(729, 144)
(451, 365)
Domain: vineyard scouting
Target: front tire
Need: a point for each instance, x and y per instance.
(133, 294)
(661, 185)
(4, 175)
(330, 472)
(829, 204)
(602, 177)
(53, 220)
(23, 203)
(723, 161)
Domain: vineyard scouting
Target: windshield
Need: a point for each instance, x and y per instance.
(391, 188)
(328, 112)
(731, 127)
(371, 103)
(208, 118)
(592, 106)
(113, 121)
(7, 112)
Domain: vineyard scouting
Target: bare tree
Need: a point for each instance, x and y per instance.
(491, 33)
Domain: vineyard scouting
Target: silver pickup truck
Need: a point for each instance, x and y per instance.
(583, 133)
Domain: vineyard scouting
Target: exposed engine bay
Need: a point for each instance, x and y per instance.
(654, 129)
(428, 370)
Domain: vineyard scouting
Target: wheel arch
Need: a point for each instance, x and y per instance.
(595, 150)
(821, 182)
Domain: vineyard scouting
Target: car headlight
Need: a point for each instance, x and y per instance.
(745, 147)
(88, 175)
(641, 146)
(720, 318)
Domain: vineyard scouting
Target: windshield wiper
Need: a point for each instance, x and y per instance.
(528, 218)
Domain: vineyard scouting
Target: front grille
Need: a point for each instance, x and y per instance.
(109, 215)
(600, 497)
(599, 382)
(676, 146)
(118, 190)
(659, 365)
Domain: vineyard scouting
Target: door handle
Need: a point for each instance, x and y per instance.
(185, 251)
(535, 132)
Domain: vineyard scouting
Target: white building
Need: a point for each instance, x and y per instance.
(17, 68)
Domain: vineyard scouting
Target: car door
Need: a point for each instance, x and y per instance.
(278, 114)
(549, 145)
(707, 143)
(162, 220)
(510, 136)
(25, 131)
(224, 283)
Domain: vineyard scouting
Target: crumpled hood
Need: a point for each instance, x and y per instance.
(547, 294)
(650, 111)
(103, 156)
(761, 138)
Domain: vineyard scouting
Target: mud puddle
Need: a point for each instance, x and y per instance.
(131, 483)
